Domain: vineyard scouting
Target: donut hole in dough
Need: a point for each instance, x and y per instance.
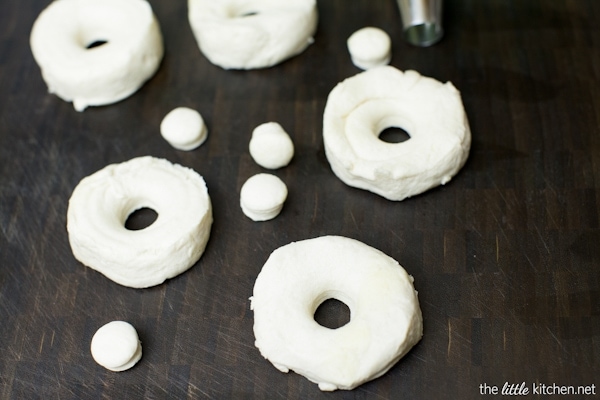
(368, 121)
(99, 25)
(394, 134)
(140, 219)
(97, 29)
(244, 12)
(96, 43)
(332, 313)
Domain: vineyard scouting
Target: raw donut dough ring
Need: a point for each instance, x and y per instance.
(361, 107)
(102, 202)
(385, 321)
(63, 33)
(249, 34)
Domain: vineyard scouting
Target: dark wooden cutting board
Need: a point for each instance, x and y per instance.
(505, 256)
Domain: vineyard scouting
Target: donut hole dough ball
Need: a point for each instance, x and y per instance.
(252, 34)
(360, 108)
(385, 317)
(116, 346)
(184, 128)
(370, 47)
(96, 52)
(102, 203)
(262, 197)
(270, 146)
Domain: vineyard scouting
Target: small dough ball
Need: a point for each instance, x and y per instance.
(262, 197)
(370, 47)
(183, 128)
(116, 346)
(270, 146)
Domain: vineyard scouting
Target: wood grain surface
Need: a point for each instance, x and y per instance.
(505, 256)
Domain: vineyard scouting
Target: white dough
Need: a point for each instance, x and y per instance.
(102, 202)
(361, 107)
(385, 317)
(270, 146)
(370, 47)
(100, 75)
(248, 34)
(184, 128)
(262, 197)
(116, 346)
